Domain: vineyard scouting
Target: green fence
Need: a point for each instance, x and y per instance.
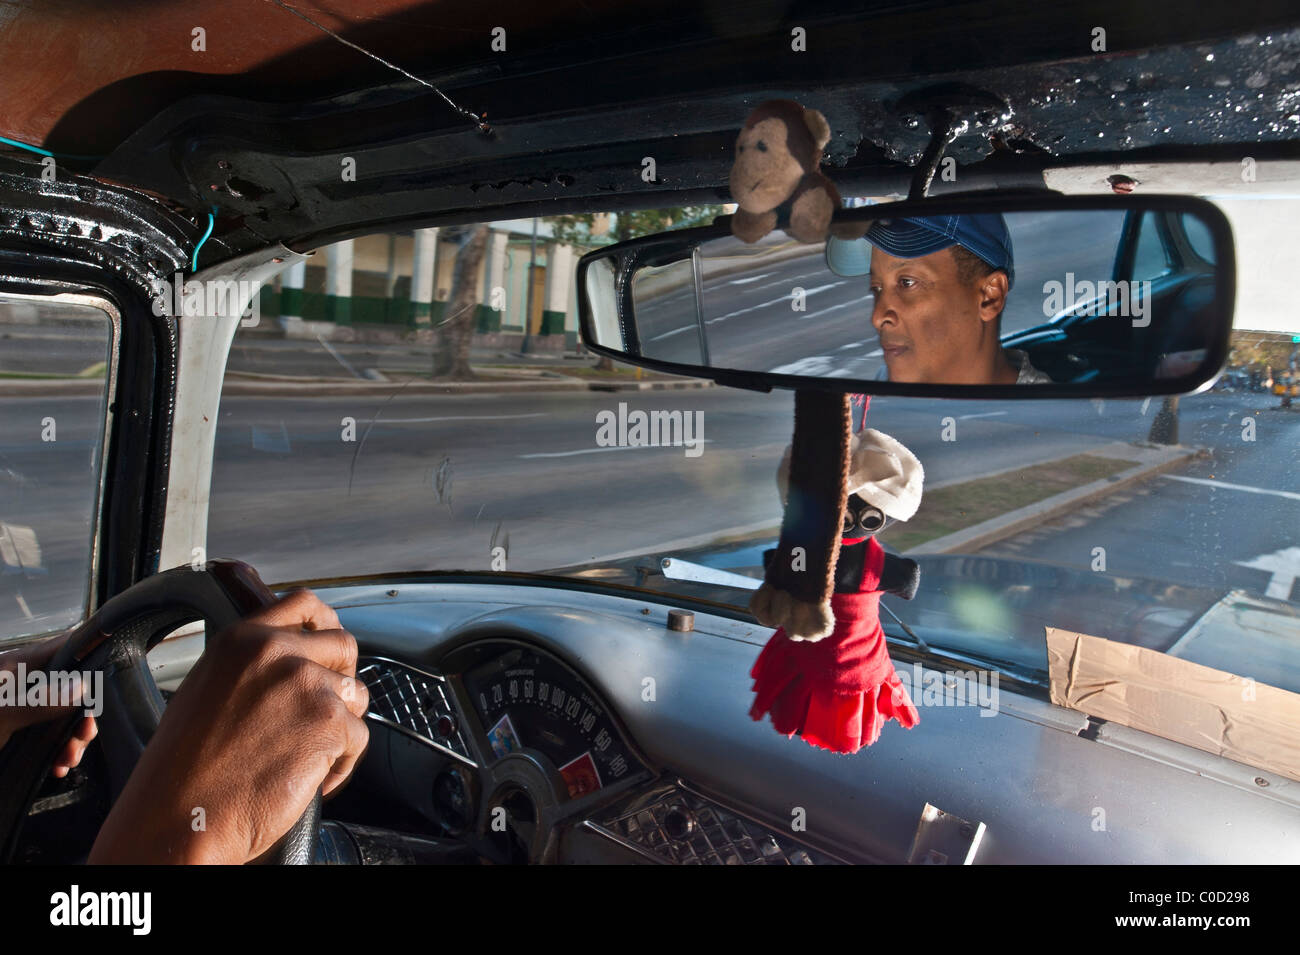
(357, 310)
(374, 310)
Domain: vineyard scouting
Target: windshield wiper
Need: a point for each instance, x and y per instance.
(674, 568)
(924, 647)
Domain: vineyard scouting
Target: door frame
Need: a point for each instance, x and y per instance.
(77, 236)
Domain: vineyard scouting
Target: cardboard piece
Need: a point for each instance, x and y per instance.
(1210, 709)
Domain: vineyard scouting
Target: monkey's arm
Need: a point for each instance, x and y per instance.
(901, 575)
(752, 226)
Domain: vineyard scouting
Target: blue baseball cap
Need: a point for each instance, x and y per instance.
(985, 235)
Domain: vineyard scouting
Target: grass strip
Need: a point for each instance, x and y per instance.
(956, 507)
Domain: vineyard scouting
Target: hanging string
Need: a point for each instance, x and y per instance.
(479, 121)
(863, 402)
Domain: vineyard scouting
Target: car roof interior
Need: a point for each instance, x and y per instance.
(251, 117)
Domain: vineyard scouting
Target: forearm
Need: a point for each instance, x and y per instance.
(160, 819)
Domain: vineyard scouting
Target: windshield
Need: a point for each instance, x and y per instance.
(420, 401)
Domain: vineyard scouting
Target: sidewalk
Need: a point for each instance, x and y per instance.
(526, 376)
(244, 384)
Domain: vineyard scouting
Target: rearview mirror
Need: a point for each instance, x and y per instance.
(997, 297)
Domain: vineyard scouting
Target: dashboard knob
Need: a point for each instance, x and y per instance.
(444, 726)
(678, 822)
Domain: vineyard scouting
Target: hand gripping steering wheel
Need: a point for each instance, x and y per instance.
(115, 641)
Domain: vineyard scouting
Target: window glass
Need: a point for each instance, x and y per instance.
(362, 438)
(1152, 259)
(1198, 236)
(54, 374)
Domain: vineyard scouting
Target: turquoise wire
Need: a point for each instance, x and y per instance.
(43, 152)
(212, 221)
(37, 150)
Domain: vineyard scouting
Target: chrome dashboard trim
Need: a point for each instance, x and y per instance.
(369, 660)
(654, 797)
(731, 807)
(620, 841)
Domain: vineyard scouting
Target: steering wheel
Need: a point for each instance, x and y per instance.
(115, 641)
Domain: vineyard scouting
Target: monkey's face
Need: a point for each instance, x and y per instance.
(765, 172)
(862, 519)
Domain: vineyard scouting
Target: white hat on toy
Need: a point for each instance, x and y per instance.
(883, 472)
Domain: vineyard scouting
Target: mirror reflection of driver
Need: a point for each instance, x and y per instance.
(940, 284)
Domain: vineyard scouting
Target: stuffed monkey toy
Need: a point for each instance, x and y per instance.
(778, 163)
(826, 673)
(838, 691)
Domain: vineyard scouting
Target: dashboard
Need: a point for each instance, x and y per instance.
(529, 699)
(530, 722)
(524, 755)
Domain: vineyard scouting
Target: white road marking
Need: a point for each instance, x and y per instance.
(822, 366)
(1289, 495)
(754, 308)
(1285, 566)
(462, 417)
(618, 447)
(823, 288)
(752, 278)
(785, 280)
(675, 331)
(337, 357)
(751, 308)
(982, 414)
(569, 454)
(832, 308)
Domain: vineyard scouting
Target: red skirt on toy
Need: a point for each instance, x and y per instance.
(837, 692)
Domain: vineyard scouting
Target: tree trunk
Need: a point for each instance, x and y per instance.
(456, 331)
(1164, 429)
(605, 364)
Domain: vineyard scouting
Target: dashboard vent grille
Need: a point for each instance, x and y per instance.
(684, 828)
(415, 702)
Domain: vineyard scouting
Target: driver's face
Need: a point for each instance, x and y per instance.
(930, 322)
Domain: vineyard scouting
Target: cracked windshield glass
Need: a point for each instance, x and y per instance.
(420, 400)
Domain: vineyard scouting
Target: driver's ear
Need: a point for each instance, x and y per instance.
(993, 290)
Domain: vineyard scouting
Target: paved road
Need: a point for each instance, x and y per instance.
(436, 482)
(69, 350)
(532, 466)
(1200, 525)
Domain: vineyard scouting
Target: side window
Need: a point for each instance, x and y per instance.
(1198, 237)
(1152, 259)
(1075, 272)
(55, 365)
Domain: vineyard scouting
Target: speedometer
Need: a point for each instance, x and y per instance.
(525, 698)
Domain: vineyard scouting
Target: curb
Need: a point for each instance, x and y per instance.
(245, 389)
(329, 387)
(50, 387)
(1013, 522)
(648, 385)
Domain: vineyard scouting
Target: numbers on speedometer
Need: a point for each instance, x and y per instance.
(528, 699)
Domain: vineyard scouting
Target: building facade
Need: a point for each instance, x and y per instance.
(396, 285)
